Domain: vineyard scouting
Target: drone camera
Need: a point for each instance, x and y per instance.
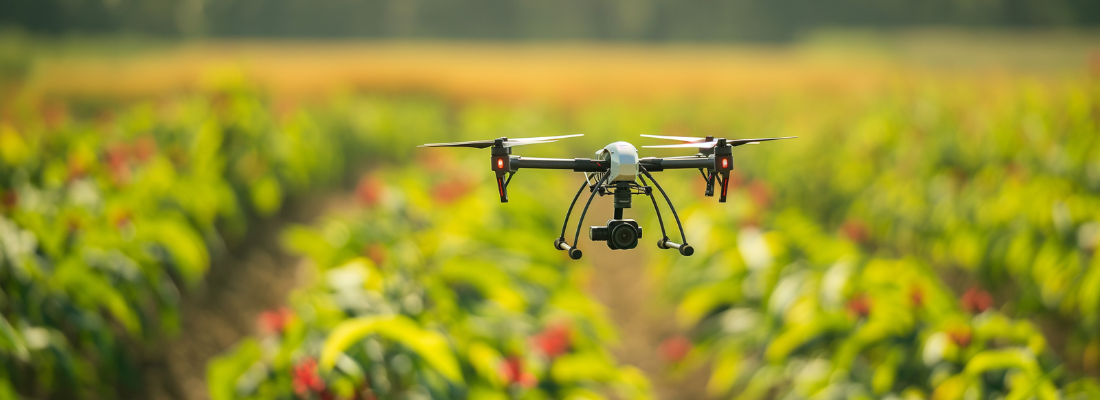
(620, 234)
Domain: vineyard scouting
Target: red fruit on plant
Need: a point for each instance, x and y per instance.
(275, 321)
(553, 341)
(976, 300)
(369, 191)
(305, 378)
(675, 348)
(860, 305)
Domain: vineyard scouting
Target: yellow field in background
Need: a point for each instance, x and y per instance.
(567, 71)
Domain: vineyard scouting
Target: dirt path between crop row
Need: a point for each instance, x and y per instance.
(621, 282)
(254, 278)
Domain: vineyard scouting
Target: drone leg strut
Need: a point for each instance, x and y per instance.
(581, 221)
(660, 220)
(709, 179)
(559, 243)
(684, 248)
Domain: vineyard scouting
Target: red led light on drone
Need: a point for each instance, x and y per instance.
(725, 163)
(500, 163)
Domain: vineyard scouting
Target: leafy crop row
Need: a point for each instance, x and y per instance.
(424, 294)
(925, 255)
(105, 219)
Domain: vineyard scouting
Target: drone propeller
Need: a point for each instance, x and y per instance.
(682, 138)
(703, 145)
(501, 155)
(721, 151)
(505, 142)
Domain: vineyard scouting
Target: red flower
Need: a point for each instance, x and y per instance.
(275, 321)
(976, 300)
(675, 348)
(860, 305)
(554, 340)
(369, 190)
(306, 380)
(512, 372)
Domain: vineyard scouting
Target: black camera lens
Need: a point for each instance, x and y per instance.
(597, 233)
(624, 236)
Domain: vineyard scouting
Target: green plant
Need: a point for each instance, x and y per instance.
(418, 295)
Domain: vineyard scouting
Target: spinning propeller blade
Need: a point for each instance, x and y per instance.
(545, 138)
(481, 144)
(513, 144)
(680, 138)
(731, 143)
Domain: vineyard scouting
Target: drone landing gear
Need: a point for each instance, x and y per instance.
(723, 178)
(560, 243)
(666, 243)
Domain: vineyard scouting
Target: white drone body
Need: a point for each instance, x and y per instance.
(623, 157)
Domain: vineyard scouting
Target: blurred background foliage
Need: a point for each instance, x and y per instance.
(931, 234)
(647, 20)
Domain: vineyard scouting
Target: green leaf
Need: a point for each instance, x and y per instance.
(1002, 359)
(183, 243)
(11, 342)
(223, 372)
(267, 195)
(581, 367)
(429, 345)
(486, 361)
(87, 287)
(726, 370)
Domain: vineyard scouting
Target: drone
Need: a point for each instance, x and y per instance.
(617, 170)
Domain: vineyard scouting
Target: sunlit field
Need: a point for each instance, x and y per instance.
(253, 219)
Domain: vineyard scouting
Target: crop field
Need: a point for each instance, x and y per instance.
(253, 220)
